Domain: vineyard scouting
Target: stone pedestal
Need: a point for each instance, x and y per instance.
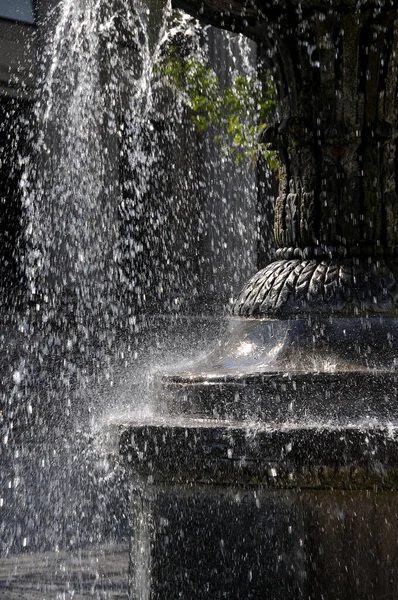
(236, 511)
(271, 467)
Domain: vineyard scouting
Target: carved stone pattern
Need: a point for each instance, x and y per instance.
(341, 287)
(336, 77)
(338, 152)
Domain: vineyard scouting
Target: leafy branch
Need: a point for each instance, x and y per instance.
(239, 112)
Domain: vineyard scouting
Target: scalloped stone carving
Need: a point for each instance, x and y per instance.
(335, 286)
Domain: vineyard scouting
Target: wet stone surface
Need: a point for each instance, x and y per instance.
(217, 543)
(288, 513)
(268, 457)
(99, 572)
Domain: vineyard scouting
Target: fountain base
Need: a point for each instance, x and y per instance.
(238, 510)
(271, 468)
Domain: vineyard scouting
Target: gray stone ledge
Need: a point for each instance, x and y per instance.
(221, 454)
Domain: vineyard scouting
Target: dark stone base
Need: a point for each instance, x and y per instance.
(204, 542)
(225, 511)
(215, 453)
(337, 399)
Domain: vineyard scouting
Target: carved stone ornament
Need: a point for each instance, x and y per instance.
(340, 287)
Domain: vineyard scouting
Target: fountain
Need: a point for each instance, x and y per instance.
(270, 468)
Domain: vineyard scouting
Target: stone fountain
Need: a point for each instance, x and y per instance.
(271, 468)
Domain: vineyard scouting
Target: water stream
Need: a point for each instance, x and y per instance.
(124, 230)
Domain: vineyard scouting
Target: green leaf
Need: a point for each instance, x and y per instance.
(239, 113)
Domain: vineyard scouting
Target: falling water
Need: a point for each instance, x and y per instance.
(120, 221)
(71, 199)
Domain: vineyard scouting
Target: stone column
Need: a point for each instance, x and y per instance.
(337, 75)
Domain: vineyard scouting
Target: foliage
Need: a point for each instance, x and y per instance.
(239, 113)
